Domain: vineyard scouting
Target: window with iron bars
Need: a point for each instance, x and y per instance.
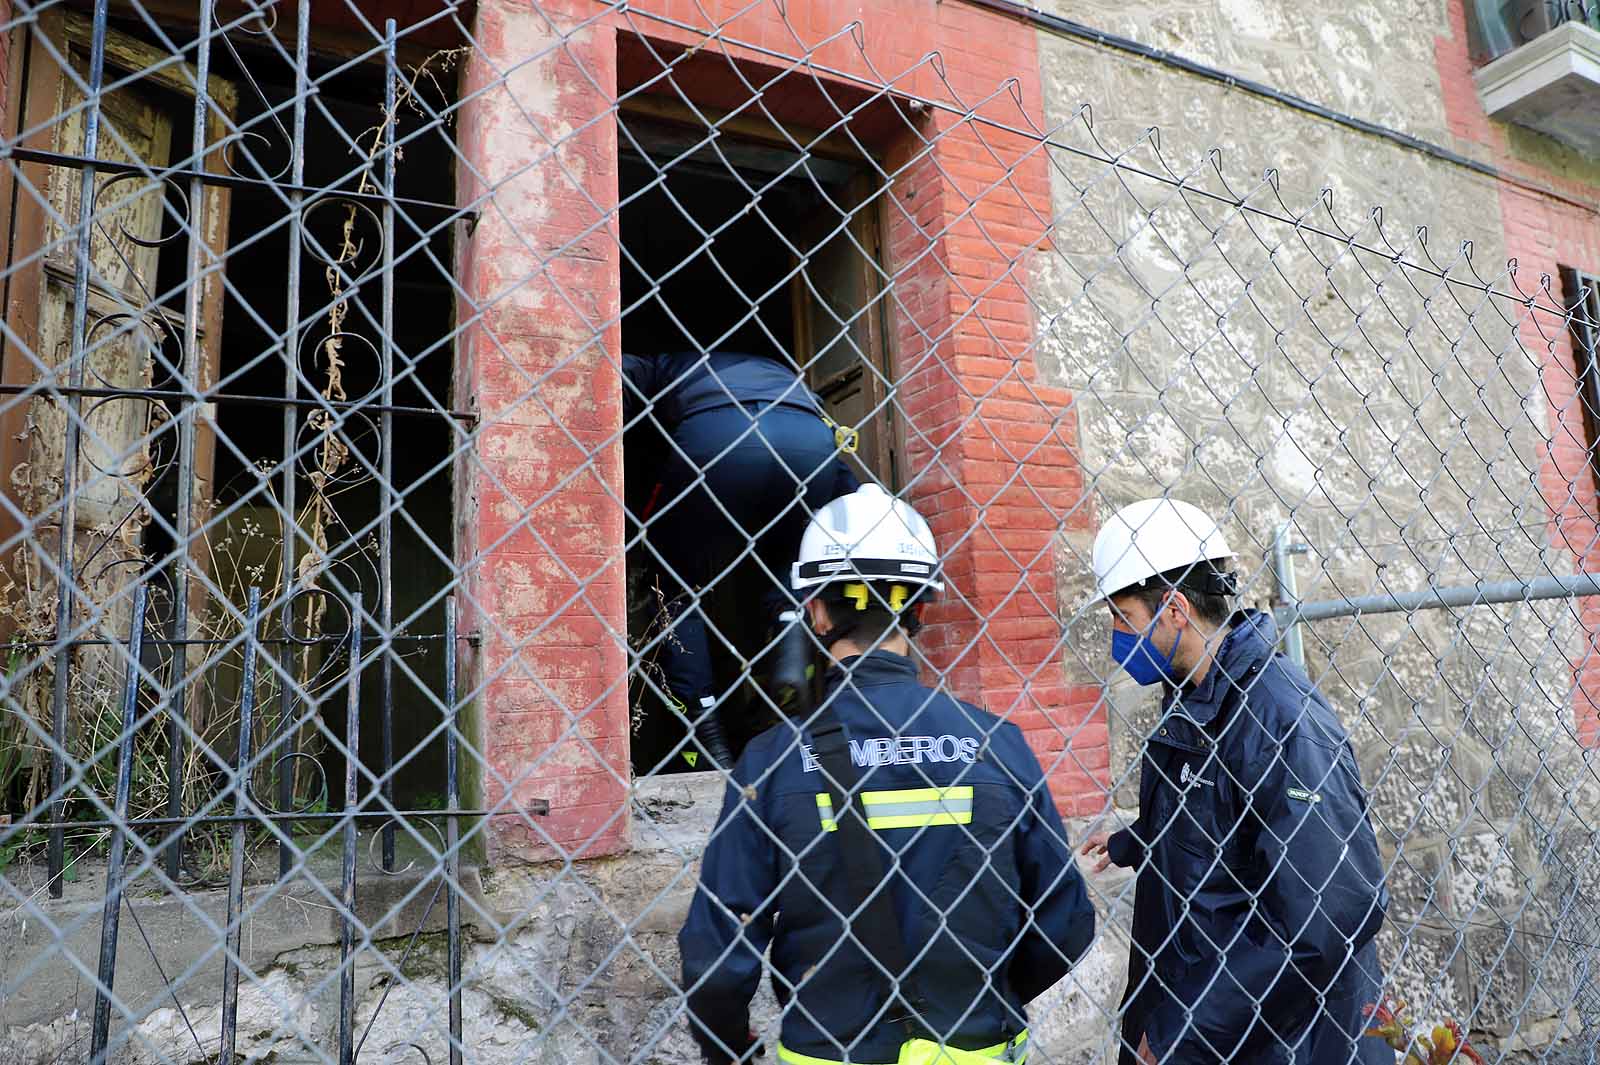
(219, 402)
(1582, 292)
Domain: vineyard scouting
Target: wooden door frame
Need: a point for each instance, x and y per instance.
(23, 215)
(866, 227)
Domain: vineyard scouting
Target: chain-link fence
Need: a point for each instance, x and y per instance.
(380, 637)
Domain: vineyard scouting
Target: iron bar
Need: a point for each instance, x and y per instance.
(220, 642)
(111, 910)
(241, 802)
(186, 399)
(535, 807)
(452, 831)
(69, 477)
(471, 637)
(347, 895)
(391, 118)
(178, 691)
(1286, 590)
(229, 181)
(1484, 593)
(288, 739)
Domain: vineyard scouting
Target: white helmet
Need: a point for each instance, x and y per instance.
(1151, 537)
(867, 535)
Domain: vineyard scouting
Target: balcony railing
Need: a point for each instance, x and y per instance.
(1502, 26)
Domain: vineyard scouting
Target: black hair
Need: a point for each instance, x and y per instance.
(1210, 591)
(860, 610)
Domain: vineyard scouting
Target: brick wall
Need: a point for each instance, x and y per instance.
(1554, 224)
(990, 453)
(540, 523)
(991, 456)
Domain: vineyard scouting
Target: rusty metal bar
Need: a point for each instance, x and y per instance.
(241, 804)
(287, 739)
(535, 807)
(347, 894)
(452, 829)
(111, 908)
(178, 696)
(185, 399)
(69, 476)
(386, 494)
(227, 181)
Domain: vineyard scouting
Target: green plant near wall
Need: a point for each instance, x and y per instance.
(16, 752)
(16, 755)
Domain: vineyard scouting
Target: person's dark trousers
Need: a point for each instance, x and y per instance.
(741, 485)
(1337, 1030)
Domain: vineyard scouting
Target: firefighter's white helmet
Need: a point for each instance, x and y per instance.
(868, 535)
(1151, 537)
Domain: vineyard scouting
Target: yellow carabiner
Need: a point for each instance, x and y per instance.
(846, 438)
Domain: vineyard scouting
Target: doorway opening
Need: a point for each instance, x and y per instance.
(743, 245)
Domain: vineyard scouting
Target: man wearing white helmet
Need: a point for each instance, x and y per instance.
(923, 820)
(1260, 888)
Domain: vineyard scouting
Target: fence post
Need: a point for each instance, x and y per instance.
(1286, 591)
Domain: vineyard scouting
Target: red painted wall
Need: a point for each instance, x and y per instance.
(991, 453)
(540, 521)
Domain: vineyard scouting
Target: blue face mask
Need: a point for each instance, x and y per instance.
(1137, 653)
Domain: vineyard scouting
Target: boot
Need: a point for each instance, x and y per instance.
(710, 738)
(790, 681)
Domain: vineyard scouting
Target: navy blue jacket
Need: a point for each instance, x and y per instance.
(991, 913)
(1259, 875)
(685, 383)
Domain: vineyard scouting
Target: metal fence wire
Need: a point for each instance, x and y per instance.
(384, 607)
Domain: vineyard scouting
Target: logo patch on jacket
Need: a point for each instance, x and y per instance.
(1189, 777)
(902, 750)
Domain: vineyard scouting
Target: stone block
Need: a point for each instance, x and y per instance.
(1420, 889)
(1420, 965)
(1487, 882)
(1496, 967)
(1414, 791)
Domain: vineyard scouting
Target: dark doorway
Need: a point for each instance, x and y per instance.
(740, 246)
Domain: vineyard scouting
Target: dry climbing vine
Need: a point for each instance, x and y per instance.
(334, 453)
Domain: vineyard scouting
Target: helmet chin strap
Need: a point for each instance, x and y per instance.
(835, 634)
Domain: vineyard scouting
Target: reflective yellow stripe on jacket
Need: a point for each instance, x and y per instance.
(912, 808)
(927, 1052)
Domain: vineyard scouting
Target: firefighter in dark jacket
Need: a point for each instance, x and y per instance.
(1260, 887)
(986, 898)
(751, 458)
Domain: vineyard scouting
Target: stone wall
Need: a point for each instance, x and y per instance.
(1254, 344)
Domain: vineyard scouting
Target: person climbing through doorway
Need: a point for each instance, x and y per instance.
(751, 456)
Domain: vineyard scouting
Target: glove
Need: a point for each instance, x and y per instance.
(792, 672)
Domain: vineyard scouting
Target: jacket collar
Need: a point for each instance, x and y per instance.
(874, 667)
(1250, 642)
